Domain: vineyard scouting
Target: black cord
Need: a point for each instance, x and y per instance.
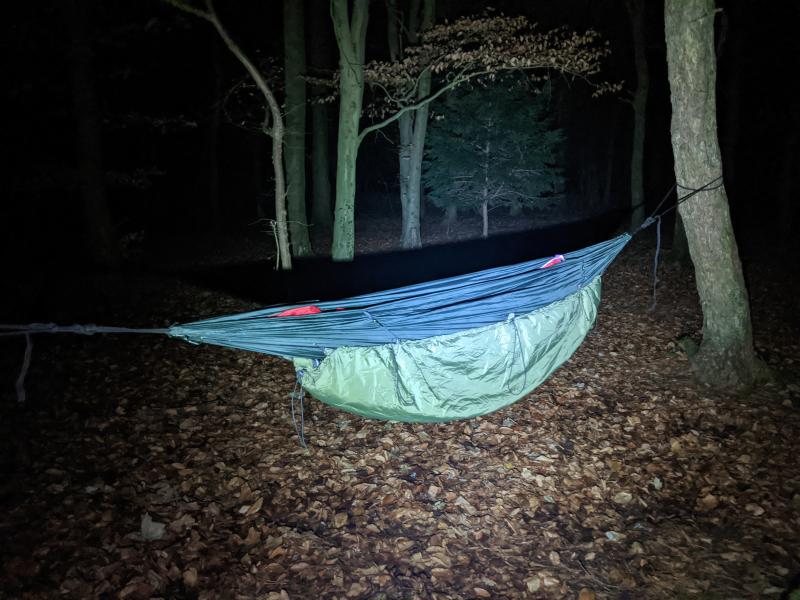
(656, 216)
(714, 184)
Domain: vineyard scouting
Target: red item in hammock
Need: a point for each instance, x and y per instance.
(299, 312)
(558, 258)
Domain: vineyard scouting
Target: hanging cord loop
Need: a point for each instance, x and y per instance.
(655, 262)
(26, 363)
(712, 185)
(300, 430)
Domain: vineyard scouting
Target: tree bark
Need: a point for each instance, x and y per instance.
(636, 12)
(101, 240)
(412, 125)
(351, 38)
(726, 357)
(321, 213)
(680, 246)
(295, 138)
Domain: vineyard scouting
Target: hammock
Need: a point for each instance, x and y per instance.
(449, 349)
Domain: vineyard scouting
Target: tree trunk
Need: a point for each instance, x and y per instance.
(411, 226)
(281, 231)
(351, 38)
(101, 240)
(406, 126)
(318, 49)
(636, 11)
(726, 357)
(413, 125)
(294, 140)
(485, 218)
(680, 246)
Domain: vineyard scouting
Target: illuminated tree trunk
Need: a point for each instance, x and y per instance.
(726, 357)
(636, 12)
(295, 138)
(351, 33)
(413, 124)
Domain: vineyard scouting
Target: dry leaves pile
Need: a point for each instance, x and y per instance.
(147, 468)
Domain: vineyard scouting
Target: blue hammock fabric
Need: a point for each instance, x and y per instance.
(414, 312)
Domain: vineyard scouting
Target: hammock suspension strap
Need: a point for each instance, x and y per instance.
(655, 217)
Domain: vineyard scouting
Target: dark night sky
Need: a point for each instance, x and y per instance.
(156, 86)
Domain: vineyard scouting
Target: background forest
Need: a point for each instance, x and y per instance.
(179, 123)
(172, 160)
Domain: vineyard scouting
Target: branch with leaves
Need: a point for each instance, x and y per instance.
(481, 47)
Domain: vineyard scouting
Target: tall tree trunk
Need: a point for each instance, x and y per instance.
(726, 357)
(412, 237)
(636, 12)
(412, 125)
(294, 44)
(680, 245)
(101, 239)
(351, 34)
(405, 125)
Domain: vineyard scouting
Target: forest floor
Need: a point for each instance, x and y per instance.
(143, 467)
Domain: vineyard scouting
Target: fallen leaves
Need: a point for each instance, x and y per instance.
(183, 478)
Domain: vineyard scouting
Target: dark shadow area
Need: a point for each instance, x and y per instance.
(323, 279)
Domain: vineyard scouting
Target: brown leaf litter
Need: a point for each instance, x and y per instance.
(161, 470)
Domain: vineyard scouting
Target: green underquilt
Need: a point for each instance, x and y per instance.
(456, 376)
